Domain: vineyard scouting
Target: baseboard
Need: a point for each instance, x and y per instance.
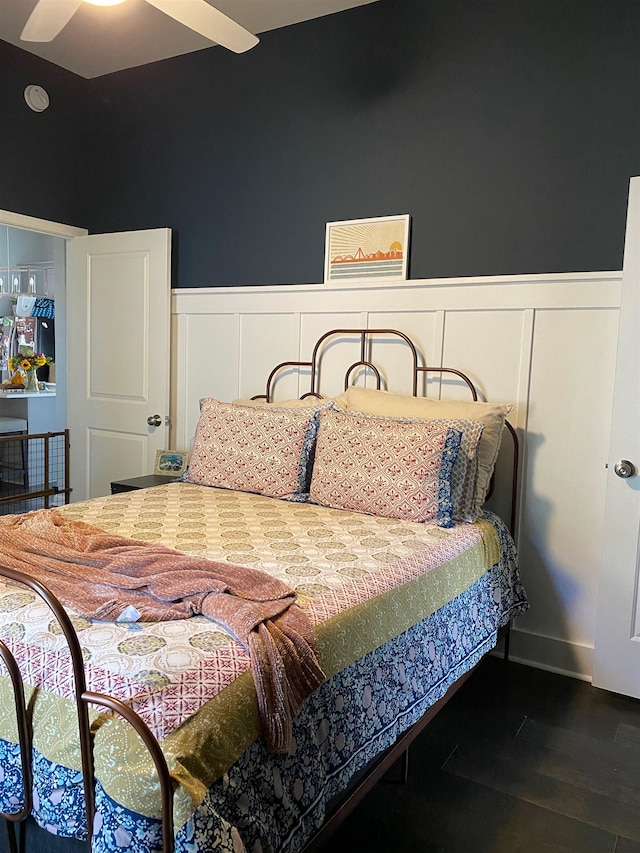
(551, 654)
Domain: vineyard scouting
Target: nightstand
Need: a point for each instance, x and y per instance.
(145, 482)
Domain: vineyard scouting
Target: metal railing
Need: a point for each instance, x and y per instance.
(34, 471)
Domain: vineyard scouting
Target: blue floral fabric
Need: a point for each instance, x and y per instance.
(449, 456)
(305, 466)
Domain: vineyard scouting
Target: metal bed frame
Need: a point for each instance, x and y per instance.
(85, 698)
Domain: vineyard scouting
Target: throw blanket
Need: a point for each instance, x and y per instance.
(110, 577)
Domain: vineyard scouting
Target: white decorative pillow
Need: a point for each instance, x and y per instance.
(254, 449)
(384, 466)
(491, 415)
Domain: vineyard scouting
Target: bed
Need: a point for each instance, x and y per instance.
(161, 726)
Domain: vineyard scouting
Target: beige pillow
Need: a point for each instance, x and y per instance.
(492, 415)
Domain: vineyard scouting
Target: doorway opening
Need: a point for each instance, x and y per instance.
(32, 318)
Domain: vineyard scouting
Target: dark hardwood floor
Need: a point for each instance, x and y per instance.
(520, 761)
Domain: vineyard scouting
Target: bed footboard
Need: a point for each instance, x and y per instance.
(83, 699)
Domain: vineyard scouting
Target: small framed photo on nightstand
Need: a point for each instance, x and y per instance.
(171, 463)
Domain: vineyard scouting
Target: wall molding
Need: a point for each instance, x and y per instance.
(551, 654)
(568, 290)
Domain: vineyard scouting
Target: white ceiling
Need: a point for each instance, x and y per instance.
(99, 39)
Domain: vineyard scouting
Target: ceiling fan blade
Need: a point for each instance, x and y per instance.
(198, 15)
(48, 18)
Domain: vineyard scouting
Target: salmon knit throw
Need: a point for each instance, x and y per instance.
(101, 576)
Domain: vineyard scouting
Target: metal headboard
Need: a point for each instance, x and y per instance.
(83, 699)
(418, 370)
(365, 335)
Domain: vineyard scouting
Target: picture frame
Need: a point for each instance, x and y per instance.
(367, 249)
(171, 463)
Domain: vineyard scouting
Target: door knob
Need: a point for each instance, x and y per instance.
(156, 420)
(623, 468)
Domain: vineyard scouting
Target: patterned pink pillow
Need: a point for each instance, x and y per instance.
(251, 449)
(384, 467)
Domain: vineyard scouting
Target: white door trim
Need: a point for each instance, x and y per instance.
(44, 226)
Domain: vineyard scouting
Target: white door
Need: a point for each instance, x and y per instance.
(118, 314)
(617, 644)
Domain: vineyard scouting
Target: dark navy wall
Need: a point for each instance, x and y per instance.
(508, 129)
(43, 156)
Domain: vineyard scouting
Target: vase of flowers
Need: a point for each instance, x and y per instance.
(27, 362)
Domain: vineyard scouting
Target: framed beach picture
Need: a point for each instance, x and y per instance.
(171, 463)
(375, 248)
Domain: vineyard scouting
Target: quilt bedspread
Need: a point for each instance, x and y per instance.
(367, 583)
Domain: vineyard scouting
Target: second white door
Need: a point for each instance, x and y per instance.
(118, 321)
(616, 664)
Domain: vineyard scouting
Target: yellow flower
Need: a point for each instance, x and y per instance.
(25, 364)
(40, 360)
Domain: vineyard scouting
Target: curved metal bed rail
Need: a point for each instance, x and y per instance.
(365, 335)
(24, 741)
(83, 699)
(314, 363)
(515, 462)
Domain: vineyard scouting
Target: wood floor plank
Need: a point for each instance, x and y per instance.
(625, 845)
(610, 769)
(628, 735)
(439, 811)
(543, 776)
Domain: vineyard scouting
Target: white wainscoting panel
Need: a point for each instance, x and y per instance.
(266, 340)
(546, 344)
(490, 345)
(203, 345)
(571, 392)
